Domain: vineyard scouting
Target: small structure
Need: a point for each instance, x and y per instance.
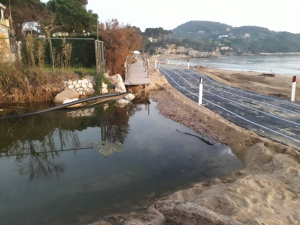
(152, 39)
(4, 32)
(137, 54)
(60, 34)
(247, 35)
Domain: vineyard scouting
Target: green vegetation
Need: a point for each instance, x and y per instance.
(158, 33)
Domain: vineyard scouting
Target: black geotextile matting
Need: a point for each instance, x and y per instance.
(274, 118)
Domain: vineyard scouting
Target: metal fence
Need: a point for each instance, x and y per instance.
(86, 52)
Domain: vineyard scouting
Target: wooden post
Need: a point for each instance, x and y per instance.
(51, 54)
(97, 30)
(103, 55)
(96, 55)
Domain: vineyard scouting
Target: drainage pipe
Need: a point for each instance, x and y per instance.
(62, 106)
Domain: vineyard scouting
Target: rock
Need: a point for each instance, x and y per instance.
(70, 82)
(104, 85)
(120, 87)
(85, 81)
(104, 91)
(70, 100)
(90, 85)
(114, 79)
(106, 106)
(91, 79)
(121, 103)
(66, 94)
(71, 86)
(129, 97)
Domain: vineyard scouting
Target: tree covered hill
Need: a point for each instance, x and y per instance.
(245, 39)
(200, 28)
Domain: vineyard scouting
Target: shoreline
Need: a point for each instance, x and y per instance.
(265, 191)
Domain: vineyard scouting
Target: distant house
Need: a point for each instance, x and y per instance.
(201, 32)
(225, 48)
(152, 39)
(4, 31)
(247, 35)
(223, 36)
(42, 35)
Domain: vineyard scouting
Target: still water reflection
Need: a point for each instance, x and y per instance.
(72, 167)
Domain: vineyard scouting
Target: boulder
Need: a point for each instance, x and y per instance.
(129, 97)
(114, 79)
(66, 94)
(91, 79)
(85, 81)
(104, 85)
(120, 87)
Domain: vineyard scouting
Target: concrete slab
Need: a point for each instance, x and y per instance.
(137, 74)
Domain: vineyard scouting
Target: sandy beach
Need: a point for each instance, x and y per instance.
(277, 86)
(266, 191)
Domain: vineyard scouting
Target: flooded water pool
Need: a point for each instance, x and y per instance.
(75, 166)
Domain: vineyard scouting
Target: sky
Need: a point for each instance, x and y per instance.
(277, 15)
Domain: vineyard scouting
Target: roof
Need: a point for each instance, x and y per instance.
(2, 6)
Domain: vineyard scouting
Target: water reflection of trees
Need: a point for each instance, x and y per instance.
(38, 141)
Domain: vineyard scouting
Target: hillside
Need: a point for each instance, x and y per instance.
(240, 40)
(201, 28)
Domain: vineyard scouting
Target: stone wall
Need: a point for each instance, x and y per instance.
(84, 86)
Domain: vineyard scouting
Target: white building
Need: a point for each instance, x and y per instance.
(247, 35)
(223, 36)
(152, 39)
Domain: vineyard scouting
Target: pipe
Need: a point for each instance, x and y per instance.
(62, 106)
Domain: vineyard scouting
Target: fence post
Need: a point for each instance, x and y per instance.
(51, 54)
(96, 55)
(168, 61)
(293, 89)
(188, 64)
(200, 91)
(155, 64)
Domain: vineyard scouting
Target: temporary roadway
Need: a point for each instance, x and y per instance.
(274, 118)
(137, 75)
